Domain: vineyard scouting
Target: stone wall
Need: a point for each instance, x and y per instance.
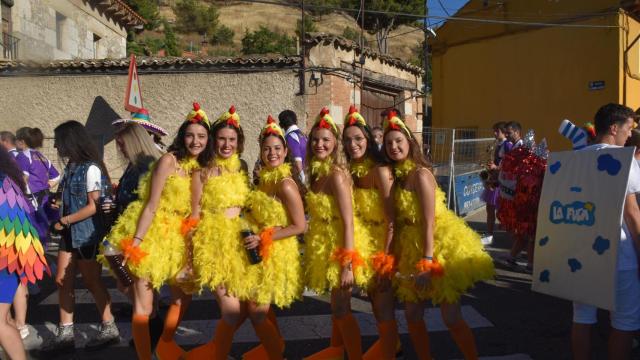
(34, 23)
(96, 100)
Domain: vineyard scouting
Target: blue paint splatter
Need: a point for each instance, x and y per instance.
(576, 189)
(555, 167)
(608, 163)
(600, 245)
(545, 276)
(544, 241)
(574, 264)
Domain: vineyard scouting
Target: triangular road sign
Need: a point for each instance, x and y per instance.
(133, 96)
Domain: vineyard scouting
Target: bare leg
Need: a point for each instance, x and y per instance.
(20, 301)
(142, 308)
(491, 218)
(385, 346)
(232, 313)
(620, 344)
(9, 336)
(462, 335)
(414, 313)
(64, 279)
(341, 308)
(91, 271)
(265, 330)
(581, 341)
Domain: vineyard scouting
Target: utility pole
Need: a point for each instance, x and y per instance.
(361, 52)
(302, 51)
(426, 118)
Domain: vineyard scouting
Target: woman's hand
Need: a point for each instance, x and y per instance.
(422, 280)
(252, 242)
(346, 277)
(57, 226)
(136, 243)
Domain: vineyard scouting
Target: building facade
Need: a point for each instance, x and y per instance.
(92, 91)
(584, 56)
(43, 30)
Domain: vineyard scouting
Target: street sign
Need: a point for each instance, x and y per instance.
(133, 95)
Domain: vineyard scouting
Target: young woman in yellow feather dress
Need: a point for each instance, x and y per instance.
(372, 183)
(149, 232)
(337, 247)
(439, 255)
(276, 213)
(220, 261)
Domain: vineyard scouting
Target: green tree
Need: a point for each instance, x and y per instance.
(382, 24)
(223, 35)
(170, 40)
(265, 41)
(192, 16)
(309, 26)
(353, 35)
(148, 9)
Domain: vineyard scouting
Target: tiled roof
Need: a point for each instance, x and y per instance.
(149, 65)
(346, 44)
(119, 11)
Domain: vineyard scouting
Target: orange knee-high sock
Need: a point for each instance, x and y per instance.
(223, 339)
(336, 350)
(270, 339)
(167, 348)
(463, 336)
(350, 331)
(420, 339)
(141, 338)
(259, 352)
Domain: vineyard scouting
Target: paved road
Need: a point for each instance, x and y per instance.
(509, 321)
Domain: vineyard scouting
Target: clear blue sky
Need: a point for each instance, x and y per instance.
(450, 6)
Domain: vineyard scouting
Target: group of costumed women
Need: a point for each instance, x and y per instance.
(376, 221)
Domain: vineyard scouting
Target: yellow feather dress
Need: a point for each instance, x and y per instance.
(280, 275)
(163, 242)
(369, 209)
(219, 257)
(324, 236)
(456, 247)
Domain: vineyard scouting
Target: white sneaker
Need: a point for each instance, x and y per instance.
(24, 331)
(487, 240)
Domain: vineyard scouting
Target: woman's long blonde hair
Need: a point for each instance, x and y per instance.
(138, 143)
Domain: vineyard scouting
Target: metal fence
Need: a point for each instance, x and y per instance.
(454, 153)
(9, 46)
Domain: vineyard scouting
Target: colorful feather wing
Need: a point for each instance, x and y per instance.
(20, 248)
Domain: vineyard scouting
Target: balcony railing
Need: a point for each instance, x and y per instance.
(9, 46)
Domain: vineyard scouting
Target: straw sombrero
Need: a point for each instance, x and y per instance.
(142, 117)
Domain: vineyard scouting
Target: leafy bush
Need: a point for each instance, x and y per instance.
(191, 16)
(265, 41)
(223, 35)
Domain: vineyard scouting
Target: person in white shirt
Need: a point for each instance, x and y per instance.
(613, 123)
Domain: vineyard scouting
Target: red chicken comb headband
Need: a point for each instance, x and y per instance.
(354, 117)
(271, 128)
(393, 122)
(198, 116)
(230, 118)
(325, 121)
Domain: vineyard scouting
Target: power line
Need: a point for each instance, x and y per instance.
(447, 18)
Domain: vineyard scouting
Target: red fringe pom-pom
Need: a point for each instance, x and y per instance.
(519, 213)
(344, 257)
(384, 264)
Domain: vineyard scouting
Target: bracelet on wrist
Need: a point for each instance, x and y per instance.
(138, 238)
(428, 257)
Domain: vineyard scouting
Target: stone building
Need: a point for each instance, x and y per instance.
(43, 30)
(92, 91)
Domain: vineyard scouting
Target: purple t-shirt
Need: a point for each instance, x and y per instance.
(297, 143)
(38, 168)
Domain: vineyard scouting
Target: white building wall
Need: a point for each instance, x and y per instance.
(34, 23)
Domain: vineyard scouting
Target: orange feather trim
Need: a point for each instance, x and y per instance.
(384, 264)
(430, 266)
(346, 257)
(266, 240)
(133, 253)
(188, 224)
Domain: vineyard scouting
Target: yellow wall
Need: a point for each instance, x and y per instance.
(630, 62)
(537, 77)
